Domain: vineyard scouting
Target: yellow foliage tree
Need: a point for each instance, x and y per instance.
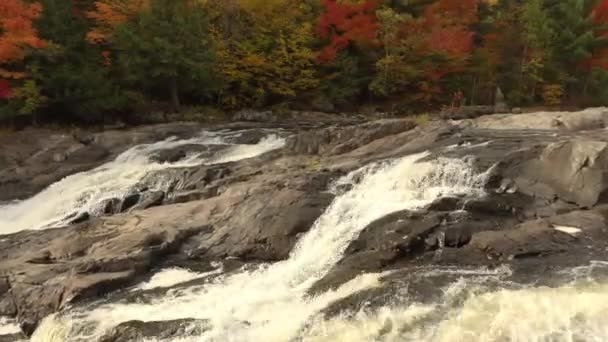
(268, 57)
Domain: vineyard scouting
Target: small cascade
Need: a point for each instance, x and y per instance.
(84, 192)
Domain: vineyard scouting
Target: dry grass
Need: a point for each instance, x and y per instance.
(421, 119)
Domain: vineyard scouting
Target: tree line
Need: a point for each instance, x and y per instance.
(86, 60)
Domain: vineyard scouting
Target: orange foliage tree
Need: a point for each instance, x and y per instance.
(110, 13)
(17, 33)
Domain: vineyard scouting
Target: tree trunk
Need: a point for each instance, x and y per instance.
(174, 92)
(473, 99)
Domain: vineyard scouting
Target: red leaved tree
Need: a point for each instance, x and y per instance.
(444, 30)
(343, 24)
(449, 24)
(5, 90)
(599, 17)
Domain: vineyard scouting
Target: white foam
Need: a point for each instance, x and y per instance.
(564, 314)
(568, 230)
(8, 326)
(271, 303)
(173, 276)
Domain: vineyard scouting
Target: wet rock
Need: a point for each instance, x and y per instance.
(165, 330)
(458, 236)
(447, 204)
(531, 239)
(169, 156)
(193, 195)
(7, 306)
(587, 221)
(250, 137)
(381, 244)
(491, 205)
(110, 206)
(150, 199)
(4, 285)
(80, 218)
(179, 153)
(201, 177)
(560, 240)
(130, 201)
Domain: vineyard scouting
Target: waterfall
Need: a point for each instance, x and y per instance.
(84, 192)
(271, 302)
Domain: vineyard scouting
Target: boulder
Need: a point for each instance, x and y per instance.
(532, 238)
(573, 170)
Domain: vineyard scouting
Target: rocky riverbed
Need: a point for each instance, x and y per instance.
(304, 232)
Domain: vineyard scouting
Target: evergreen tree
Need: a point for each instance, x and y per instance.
(70, 71)
(166, 46)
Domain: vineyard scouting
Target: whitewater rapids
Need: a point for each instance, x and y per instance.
(84, 192)
(271, 302)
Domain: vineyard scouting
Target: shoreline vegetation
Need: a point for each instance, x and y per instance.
(90, 63)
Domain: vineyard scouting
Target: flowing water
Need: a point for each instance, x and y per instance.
(8, 326)
(173, 276)
(574, 313)
(84, 192)
(271, 302)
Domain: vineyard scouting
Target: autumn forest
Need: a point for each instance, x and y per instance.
(95, 61)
